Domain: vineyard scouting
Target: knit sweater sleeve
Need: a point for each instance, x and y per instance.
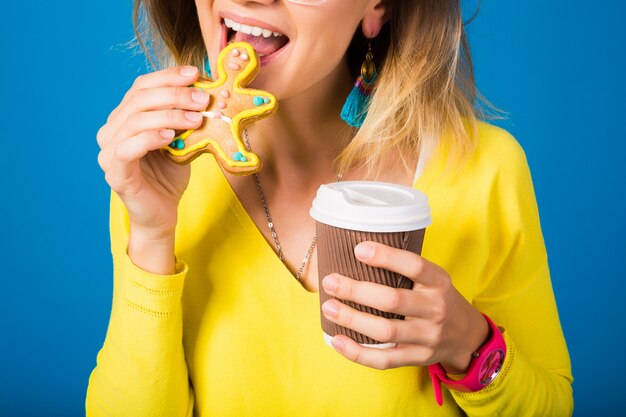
(141, 369)
(517, 294)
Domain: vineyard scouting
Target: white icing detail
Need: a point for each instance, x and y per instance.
(250, 30)
(213, 115)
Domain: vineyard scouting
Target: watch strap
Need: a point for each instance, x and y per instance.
(477, 376)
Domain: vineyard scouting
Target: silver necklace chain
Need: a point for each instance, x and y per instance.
(270, 222)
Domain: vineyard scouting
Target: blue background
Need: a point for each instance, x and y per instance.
(555, 66)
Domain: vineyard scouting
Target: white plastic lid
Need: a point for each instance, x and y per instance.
(371, 207)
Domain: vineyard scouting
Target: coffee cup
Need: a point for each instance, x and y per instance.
(350, 212)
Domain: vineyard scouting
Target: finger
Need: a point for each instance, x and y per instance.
(104, 135)
(174, 76)
(160, 119)
(169, 77)
(381, 297)
(406, 263)
(401, 355)
(124, 163)
(136, 147)
(416, 331)
(165, 98)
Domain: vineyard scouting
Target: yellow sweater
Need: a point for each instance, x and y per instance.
(234, 334)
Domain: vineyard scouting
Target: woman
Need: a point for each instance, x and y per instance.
(208, 320)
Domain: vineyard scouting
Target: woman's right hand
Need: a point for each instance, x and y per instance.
(149, 184)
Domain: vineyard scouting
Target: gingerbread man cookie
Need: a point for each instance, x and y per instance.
(231, 108)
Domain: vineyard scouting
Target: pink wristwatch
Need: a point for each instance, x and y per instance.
(483, 369)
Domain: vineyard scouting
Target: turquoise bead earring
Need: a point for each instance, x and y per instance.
(207, 67)
(355, 108)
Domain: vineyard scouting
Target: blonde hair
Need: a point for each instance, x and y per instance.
(425, 94)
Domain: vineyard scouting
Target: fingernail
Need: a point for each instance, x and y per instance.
(199, 97)
(167, 134)
(188, 71)
(364, 251)
(330, 283)
(338, 344)
(329, 308)
(193, 116)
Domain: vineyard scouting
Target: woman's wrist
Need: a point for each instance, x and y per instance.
(460, 362)
(152, 250)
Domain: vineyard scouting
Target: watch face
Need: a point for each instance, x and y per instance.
(490, 368)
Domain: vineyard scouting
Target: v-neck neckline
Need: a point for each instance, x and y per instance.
(251, 228)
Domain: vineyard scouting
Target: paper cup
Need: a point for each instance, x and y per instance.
(350, 212)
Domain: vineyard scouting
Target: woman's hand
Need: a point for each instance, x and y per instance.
(148, 183)
(439, 325)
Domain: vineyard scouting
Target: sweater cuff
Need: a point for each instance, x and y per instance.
(152, 294)
(495, 386)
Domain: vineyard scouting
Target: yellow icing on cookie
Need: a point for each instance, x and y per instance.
(231, 108)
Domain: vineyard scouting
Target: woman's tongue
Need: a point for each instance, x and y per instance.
(262, 45)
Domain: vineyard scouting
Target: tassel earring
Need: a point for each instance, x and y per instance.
(207, 68)
(355, 108)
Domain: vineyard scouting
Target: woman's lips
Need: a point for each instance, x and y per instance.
(224, 40)
(268, 48)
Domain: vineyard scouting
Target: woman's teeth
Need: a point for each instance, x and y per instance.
(250, 30)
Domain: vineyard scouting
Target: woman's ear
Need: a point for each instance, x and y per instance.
(377, 15)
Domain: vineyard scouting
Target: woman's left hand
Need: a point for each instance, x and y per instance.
(439, 325)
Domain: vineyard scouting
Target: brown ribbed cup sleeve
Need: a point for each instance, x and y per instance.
(335, 254)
